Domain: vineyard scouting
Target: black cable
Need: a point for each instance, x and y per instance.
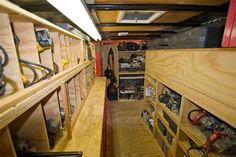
(6, 58)
(56, 68)
(49, 71)
(193, 146)
(190, 113)
(2, 64)
(34, 73)
(199, 148)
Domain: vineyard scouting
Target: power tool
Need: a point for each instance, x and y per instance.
(171, 99)
(220, 136)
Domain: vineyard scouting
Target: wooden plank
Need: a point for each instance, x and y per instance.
(18, 14)
(74, 51)
(71, 45)
(15, 105)
(78, 90)
(51, 107)
(63, 51)
(66, 110)
(77, 43)
(5, 139)
(199, 2)
(83, 83)
(72, 95)
(27, 48)
(68, 50)
(205, 76)
(31, 125)
(56, 49)
(87, 134)
(12, 70)
(81, 51)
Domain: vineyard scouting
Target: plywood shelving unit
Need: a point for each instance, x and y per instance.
(24, 112)
(125, 73)
(204, 78)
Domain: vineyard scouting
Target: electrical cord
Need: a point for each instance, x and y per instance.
(32, 65)
(190, 113)
(6, 58)
(193, 146)
(2, 64)
(35, 76)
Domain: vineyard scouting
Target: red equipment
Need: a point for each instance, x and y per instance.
(229, 38)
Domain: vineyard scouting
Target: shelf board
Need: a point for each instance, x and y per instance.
(131, 73)
(164, 138)
(166, 124)
(152, 114)
(139, 51)
(185, 145)
(194, 133)
(172, 115)
(150, 83)
(197, 136)
(128, 100)
(150, 100)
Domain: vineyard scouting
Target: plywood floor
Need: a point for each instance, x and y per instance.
(127, 134)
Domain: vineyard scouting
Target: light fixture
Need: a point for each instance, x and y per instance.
(123, 33)
(76, 11)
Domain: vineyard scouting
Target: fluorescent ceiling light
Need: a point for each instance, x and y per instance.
(123, 33)
(77, 13)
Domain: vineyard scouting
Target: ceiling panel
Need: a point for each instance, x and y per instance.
(132, 28)
(130, 34)
(107, 16)
(199, 2)
(169, 17)
(175, 16)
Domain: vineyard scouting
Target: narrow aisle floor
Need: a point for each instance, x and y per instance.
(127, 133)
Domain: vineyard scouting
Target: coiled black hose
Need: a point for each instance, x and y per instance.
(2, 64)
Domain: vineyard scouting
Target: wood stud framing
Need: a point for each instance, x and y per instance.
(23, 112)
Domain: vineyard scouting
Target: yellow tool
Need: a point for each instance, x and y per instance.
(64, 62)
(41, 49)
(24, 79)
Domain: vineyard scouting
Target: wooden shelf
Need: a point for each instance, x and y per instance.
(131, 73)
(139, 51)
(197, 136)
(152, 114)
(166, 124)
(87, 134)
(164, 138)
(172, 115)
(150, 100)
(150, 83)
(187, 78)
(185, 145)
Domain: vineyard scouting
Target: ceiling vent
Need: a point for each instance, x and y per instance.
(139, 16)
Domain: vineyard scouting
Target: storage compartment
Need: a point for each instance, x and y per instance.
(30, 128)
(201, 128)
(131, 61)
(169, 100)
(131, 87)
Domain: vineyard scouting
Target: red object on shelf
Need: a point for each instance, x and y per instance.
(229, 38)
(98, 64)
